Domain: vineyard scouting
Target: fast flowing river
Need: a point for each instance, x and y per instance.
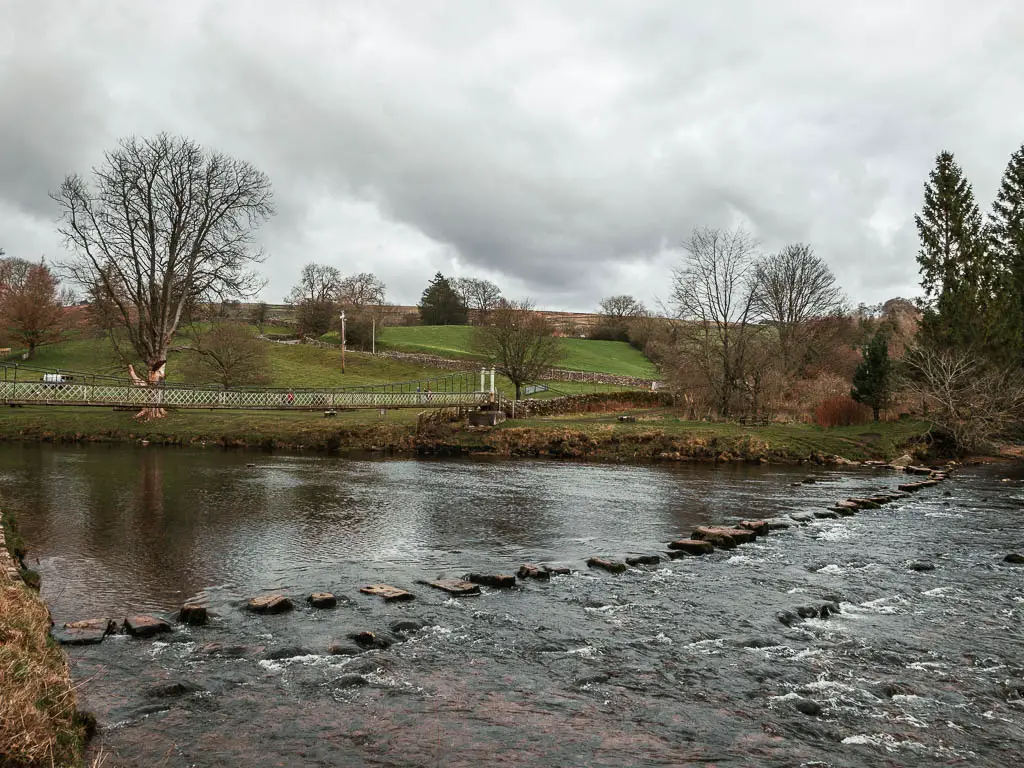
(679, 663)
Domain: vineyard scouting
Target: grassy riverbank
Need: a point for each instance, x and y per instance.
(656, 435)
(39, 724)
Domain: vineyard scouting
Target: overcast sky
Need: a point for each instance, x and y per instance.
(563, 149)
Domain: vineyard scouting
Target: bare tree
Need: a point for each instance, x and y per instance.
(714, 296)
(617, 314)
(228, 354)
(478, 294)
(970, 401)
(318, 283)
(519, 341)
(165, 226)
(31, 306)
(796, 294)
(258, 315)
(363, 289)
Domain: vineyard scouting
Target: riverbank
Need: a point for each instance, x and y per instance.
(39, 722)
(648, 435)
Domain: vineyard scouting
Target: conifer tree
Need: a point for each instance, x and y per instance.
(965, 287)
(873, 380)
(441, 304)
(1006, 242)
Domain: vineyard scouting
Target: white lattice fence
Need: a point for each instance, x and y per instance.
(184, 397)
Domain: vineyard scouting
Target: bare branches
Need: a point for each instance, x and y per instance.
(478, 294)
(969, 400)
(165, 225)
(519, 341)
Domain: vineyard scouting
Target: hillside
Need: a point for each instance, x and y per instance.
(614, 357)
(288, 365)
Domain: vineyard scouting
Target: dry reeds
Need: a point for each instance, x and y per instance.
(38, 722)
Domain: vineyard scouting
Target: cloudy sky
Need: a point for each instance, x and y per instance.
(562, 148)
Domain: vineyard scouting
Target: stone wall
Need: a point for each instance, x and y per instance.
(597, 401)
(8, 564)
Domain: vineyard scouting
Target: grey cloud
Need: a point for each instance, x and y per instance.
(547, 142)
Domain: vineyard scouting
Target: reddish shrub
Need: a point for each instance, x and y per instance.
(841, 411)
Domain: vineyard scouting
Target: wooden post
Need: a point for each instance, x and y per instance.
(343, 342)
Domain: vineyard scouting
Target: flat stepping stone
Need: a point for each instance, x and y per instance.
(912, 470)
(496, 580)
(928, 483)
(386, 591)
(529, 571)
(145, 626)
(456, 587)
(612, 566)
(692, 546)
(826, 514)
(847, 503)
(723, 537)
(270, 604)
(193, 614)
(79, 636)
(910, 487)
(801, 517)
(643, 560)
(865, 503)
(844, 511)
(778, 524)
(759, 527)
(558, 570)
(322, 600)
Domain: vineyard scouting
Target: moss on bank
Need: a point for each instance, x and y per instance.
(656, 435)
(39, 722)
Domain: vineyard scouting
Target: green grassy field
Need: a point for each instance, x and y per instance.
(454, 341)
(288, 365)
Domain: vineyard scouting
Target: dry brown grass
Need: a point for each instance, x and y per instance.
(38, 722)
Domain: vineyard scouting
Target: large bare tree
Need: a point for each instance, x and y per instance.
(519, 341)
(363, 289)
(164, 226)
(713, 293)
(318, 283)
(478, 294)
(797, 295)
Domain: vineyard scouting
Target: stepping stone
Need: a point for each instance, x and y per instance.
(643, 560)
(826, 514)
(847, 503)
(104, 625)
(322, 600)
(386, 591)
(370, 640)
(558, 570)
(844, 511)
(456, 587)
(801, 517)
(865, 503)
(78, 636)
(145, 626)
(912, 470)
(270, 604)
(496, 580)
(529, 571)
(759, 527)
(692, 546)
(723, 537)
(927, 483)
(193, 614)
(778, 524)
(613, 566)
(910, 487)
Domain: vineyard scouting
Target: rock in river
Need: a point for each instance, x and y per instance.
(496, 580)
(613, 566)
(193, 614)
(145, 626)
(270, 604)
(692, 546)
(1014, 558)
(322, 600)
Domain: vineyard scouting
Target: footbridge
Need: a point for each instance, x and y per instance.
(22, 385)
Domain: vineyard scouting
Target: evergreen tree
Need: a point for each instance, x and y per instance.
(441, 304)
(873, 379)
(965, 287)
(1006, 241)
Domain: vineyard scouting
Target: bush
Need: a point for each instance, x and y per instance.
(841, 411)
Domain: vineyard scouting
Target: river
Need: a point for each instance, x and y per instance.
(680, 663)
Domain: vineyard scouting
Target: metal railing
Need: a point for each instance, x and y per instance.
(25, 386)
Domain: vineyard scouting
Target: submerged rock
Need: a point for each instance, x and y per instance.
(344, 649)
(176, 688)
(921, 566)
(808, 707)
(406, 626)
(287, 652)
(351, 680)
(371, 640)
(643, 560)
(193, 614)
(1014, 558)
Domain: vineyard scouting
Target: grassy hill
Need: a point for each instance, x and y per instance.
(288, 365)
(453, 341)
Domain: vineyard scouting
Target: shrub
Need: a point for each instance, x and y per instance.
(841, 411)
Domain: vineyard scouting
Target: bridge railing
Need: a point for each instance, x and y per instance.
(45, 393)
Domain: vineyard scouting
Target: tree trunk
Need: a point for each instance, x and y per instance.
(518, 389)
(154, 378)
(875, 409)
